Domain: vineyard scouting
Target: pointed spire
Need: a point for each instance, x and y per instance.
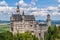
(18, 10)
(17, 6)
(48, 15)
(23, 13)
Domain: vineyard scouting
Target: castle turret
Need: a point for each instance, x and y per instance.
(18, 10)
(48, 20)
(11, 23)
(23, 16)
(23, 13)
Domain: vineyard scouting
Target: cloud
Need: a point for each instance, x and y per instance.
(26, 5)
(58, 0)
(52, 8)
(59, 5)
(6, 11)
(41, 12)
(28, 8)
(3, 3)
(33, 2)
(54, 13)
(22, 3)
(44, 11)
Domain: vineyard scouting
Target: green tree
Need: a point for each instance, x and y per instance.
(25, 36)
(53, 33)
(58, 32)
(50, 33)
(6, 36)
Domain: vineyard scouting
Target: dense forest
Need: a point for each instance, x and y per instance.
(24, 36)
(53, 33)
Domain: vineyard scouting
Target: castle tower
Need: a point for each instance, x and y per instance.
(18, 10)
(23, 13)
(23, 16)
(11, 23)
(48, 20)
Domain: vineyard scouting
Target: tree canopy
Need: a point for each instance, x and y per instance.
(53, 33)
(21, 36)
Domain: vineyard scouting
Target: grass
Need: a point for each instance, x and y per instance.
(4, 28)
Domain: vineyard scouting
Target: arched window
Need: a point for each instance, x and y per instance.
(11, 28)
(39, 34)
(31, 25)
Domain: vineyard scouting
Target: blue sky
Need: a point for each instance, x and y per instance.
(38, 4)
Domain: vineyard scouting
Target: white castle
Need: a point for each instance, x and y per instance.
(22, 23)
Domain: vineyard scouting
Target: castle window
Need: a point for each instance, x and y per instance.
(32, 31)
(39, 34)
(31, 22)
(31, 25)
(11, 28)
(12, 24)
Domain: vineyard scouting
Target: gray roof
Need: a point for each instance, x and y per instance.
(42, 24)
(29, 18)
(18, 17)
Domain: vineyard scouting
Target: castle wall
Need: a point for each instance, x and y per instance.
(23, 27)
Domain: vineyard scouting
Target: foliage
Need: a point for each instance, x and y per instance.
(22, 36)
(53, 33)
(6, 36)
(4, 28)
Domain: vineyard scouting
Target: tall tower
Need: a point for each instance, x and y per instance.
(11, 23)
(23, 16)
(18, 10)
(23, 13)
(48, 20)
(59, 6)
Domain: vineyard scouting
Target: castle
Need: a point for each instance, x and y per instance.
(22, 23)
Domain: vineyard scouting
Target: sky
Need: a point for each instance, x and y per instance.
(38, 8)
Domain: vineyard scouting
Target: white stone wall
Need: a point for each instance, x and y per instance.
(22, 27)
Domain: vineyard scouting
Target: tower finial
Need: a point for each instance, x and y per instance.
(18, 10)
(48, 15)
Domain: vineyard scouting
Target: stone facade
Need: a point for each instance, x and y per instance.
(23, 23)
